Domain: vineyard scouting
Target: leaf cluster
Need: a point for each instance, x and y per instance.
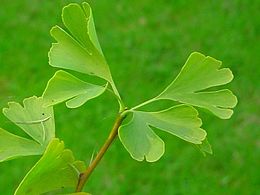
(77, 49)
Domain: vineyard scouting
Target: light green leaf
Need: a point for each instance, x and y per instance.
(80, 23)
(55, 170)
(65, 87)
(13, 146)
(91, 30)
(205, 147)
(200, 73)
(36, 120)
(141, 141)
(79, 49)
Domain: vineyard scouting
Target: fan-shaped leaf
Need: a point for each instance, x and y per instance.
(199, 73)
(65, 87)
(56, 169)
(80, 23)
(141, 141)
(36, 120)
(79, 49)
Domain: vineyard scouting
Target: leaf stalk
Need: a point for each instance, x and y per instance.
(143, 104)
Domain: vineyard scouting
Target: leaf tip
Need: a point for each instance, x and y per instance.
(72, 106)
(4, 110)
(53, 31)
(234, 100)
(231, 74)
(196, 53)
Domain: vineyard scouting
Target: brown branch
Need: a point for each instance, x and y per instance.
(113, 134)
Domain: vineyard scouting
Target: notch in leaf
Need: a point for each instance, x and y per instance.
(200, 73)
(142, 142)
(33, 119)
(65, 87)
(56, 169)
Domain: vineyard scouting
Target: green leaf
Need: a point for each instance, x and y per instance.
(55, 170)
(13, 146)
(141, 141)
(36, 120)
(65, 87)
(80, 23)
(79, 48)
(205, 147)
(200, 73)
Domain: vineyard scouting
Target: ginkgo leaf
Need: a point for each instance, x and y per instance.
(13, 146)
(36, 120)
(57, 169)
(81, 23)
(141, 141)
(78, 49)
(65, 87)
(200, 73)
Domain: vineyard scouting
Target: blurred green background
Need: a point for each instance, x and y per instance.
(146, 42)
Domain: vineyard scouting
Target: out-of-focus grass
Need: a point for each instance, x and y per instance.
(146, 43)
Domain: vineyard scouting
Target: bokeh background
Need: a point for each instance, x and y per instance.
(146, 42)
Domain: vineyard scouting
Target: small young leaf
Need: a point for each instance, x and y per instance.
(79, 50)
(141, 141)
(205, 147)
(65, 87)
(55, 170)
(13, 146)
(199, 73)
(33, 118)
